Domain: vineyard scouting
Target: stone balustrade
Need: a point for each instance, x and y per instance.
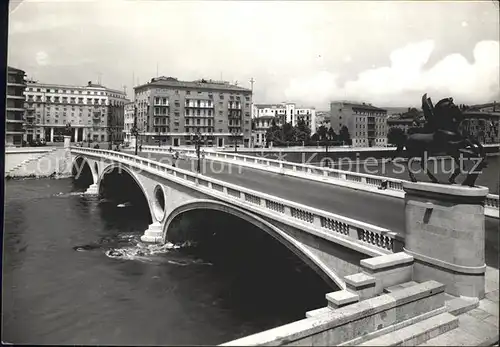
(360, 180)
(363, 237)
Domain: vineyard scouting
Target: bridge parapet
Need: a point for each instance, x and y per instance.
(362, 181)
(362, 237)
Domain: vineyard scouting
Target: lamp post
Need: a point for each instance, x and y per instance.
(110, 138)
(197, 143)
(88, 138)
(134, 131)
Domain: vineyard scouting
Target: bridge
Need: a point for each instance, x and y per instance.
(332, 244)
(350, 232)
(350, 194)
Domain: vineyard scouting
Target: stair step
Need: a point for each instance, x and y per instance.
(399, 286)
(416, 333)
(318, 312)
(459, 337)
(458, 306)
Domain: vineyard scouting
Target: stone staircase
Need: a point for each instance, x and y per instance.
(384, 306)
(462, 324)
(56, 162)
(12, 172)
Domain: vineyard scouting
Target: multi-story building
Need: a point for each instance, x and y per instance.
(94, 111)
(14, 129)
(173, 111)
(263, 115)
(286, 112)
(366, 123)
(485, 129)
(260, 126)
(403, 123)
(128, 122)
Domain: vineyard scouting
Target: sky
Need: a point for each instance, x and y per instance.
(386, 53)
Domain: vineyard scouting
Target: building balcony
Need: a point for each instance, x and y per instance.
(15, 84)
(205, 106)
(14, 120)
(16, 97)
(234, 106)
(160, 114)
(30, 115)
(198, 116)
(15, 109)
(199, 125)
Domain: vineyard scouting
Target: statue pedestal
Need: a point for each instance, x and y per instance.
(445, 235)
(67, 141)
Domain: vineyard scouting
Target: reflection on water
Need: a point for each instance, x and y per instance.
(76, 272)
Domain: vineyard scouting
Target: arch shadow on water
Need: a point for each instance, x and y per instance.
(81, 174)
(264, 280)
(122, 200)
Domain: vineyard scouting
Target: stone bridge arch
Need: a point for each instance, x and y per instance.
(107, 168)
(294, 245)
(77, 163)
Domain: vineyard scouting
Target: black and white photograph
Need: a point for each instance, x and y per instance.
(251, 173)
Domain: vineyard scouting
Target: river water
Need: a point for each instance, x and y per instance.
(75, 272)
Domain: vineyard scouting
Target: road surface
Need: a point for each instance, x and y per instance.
(379, 210)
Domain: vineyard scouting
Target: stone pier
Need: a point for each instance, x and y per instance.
(445, 235)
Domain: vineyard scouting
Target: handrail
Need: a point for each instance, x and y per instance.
(366, 238)
(374, 181)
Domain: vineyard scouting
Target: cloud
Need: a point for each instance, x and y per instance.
(405, 80)
(42, 58)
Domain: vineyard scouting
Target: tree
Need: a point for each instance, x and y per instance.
(322, 133)
(288, 132)
(412, 113)
(332, 136)
(273, 134)
(395, 136)
(315, 137)
(344, 135)
(302, 131)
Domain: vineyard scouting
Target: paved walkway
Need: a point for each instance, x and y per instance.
(383, 211)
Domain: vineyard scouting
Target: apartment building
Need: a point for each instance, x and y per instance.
(403, 123)
(128, 122)
(366, 123)
(486, 130)
(95, 112)
(261, 124)
(263, 114)
(173, 111)
(286, 112)
(15, 108)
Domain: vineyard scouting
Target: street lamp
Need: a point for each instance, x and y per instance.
(134, 131)
(197, 143)
(88, 137)
(110, 138)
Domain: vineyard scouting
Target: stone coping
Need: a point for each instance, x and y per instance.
(342, 297)
(341, 316)
(359, 280)
(469, 270)
(447, 189)
(29, 150)
(387, 261)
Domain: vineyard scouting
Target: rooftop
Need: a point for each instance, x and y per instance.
(199, 84)
(364, 106)
(32, 83)
(11, 69)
